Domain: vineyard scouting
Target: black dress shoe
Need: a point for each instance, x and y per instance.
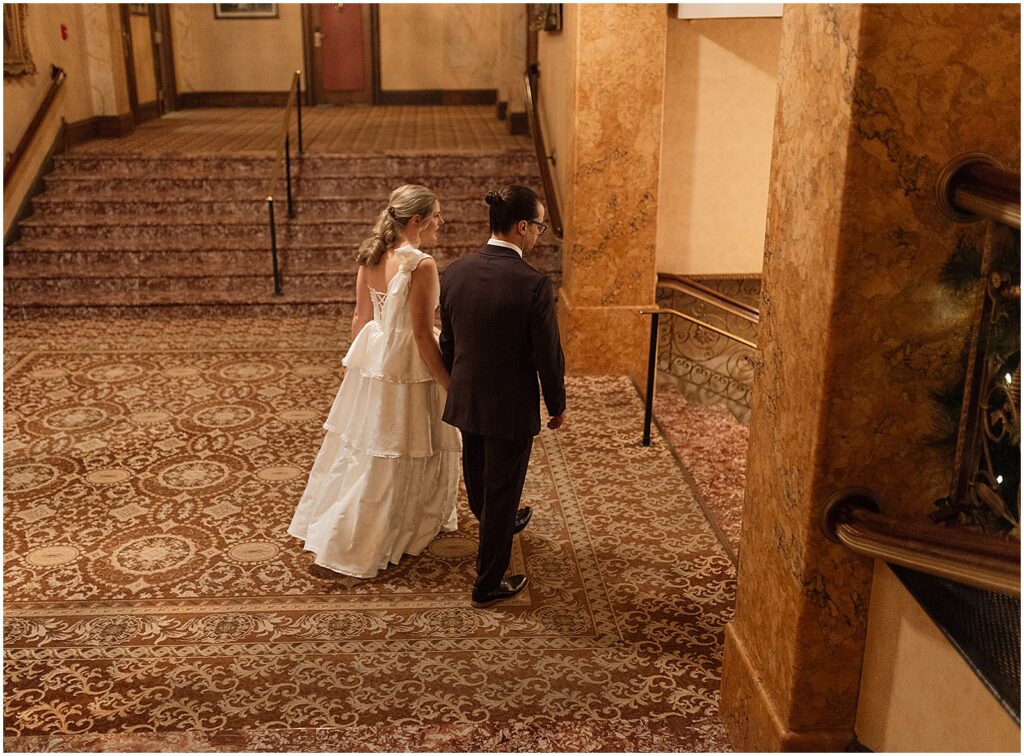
(522, 519)
(506, 589)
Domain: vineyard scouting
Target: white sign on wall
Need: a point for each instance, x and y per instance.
(733, 10)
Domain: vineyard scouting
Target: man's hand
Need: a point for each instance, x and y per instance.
(556, 422)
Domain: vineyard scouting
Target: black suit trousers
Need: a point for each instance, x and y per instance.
(494, 470)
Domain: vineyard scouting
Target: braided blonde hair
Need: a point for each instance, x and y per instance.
(405, 202)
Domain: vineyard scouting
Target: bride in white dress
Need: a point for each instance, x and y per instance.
(386, 478)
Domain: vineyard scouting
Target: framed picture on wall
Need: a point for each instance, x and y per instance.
(17, 61)
(245, 10)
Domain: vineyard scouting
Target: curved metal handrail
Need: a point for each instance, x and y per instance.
(851, 517)
(11, 165)
(531, 80)
(708, 295)
(284, 149)
(974, 186)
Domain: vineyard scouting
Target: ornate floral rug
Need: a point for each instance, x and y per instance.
(153, 600)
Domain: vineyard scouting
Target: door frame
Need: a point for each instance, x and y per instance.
(313, 80)
(167, 85)
(129, 62)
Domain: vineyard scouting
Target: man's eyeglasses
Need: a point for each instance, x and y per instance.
(542, 226)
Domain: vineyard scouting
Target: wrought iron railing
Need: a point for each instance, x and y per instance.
(284, 150)
(706, 295)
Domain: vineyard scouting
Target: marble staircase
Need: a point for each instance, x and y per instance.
(141, 229)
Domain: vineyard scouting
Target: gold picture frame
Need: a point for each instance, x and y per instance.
(17, 59)
(245, 10)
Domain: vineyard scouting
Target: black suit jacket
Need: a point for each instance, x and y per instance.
(499, 331)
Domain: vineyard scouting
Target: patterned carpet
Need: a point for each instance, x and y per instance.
(154, 602)
(325, 130)
(711, 445)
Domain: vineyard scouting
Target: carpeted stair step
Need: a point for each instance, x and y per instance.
(74, 185)
(158, 231)
(126, 208)
(92, 251)
(260, 165)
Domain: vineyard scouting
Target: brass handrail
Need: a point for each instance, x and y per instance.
(554, 213)
(974, 186)
(708, 295)
(284, 148)
(701, 323)
(851, 517)
(11, 165)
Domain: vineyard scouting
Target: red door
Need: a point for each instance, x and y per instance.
(344, 41)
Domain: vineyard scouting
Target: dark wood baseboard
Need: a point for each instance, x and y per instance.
(502, 110)
(518, 124)
(232, 99)
(148, 111)
(99, 127)
(439, 97)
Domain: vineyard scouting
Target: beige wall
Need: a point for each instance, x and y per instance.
(235, 55)
(95, 85)
(717, 141)
(917, 693)
(23, 94)
(556, 57)
(142, 57)
(437, 46)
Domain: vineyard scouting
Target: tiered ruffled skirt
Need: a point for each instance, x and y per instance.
(386, 478)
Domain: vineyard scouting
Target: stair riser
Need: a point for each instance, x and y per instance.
(249, 260)
(365, 210)
(309, 166)
(21, 289)
(251, 234)
(207, 291)
(369, 187)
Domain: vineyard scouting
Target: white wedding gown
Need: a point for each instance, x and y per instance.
(386, 479)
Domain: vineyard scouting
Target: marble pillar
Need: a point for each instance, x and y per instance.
(855, 331)
(612, 214)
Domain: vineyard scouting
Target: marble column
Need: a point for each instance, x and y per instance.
(855, 331)
(612, 212)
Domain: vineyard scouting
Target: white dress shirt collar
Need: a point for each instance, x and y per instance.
(502, 243)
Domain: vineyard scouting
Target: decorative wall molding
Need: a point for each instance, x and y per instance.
(17, 58)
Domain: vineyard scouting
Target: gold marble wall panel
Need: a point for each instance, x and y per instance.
(235, 55)
(438, 46)
(855, 331)
(720, 81)
(611, 228)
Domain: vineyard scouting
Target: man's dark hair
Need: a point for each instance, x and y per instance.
(511, 204)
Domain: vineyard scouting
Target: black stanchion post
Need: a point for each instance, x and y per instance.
(298, 105)
(652, 366)
(288, 173)
(273, 247)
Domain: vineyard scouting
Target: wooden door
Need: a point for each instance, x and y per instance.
(140, 61)
(343, 54)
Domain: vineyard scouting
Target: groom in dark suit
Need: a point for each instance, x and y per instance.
(499, 332)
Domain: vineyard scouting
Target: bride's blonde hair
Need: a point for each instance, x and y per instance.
(405, 202)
